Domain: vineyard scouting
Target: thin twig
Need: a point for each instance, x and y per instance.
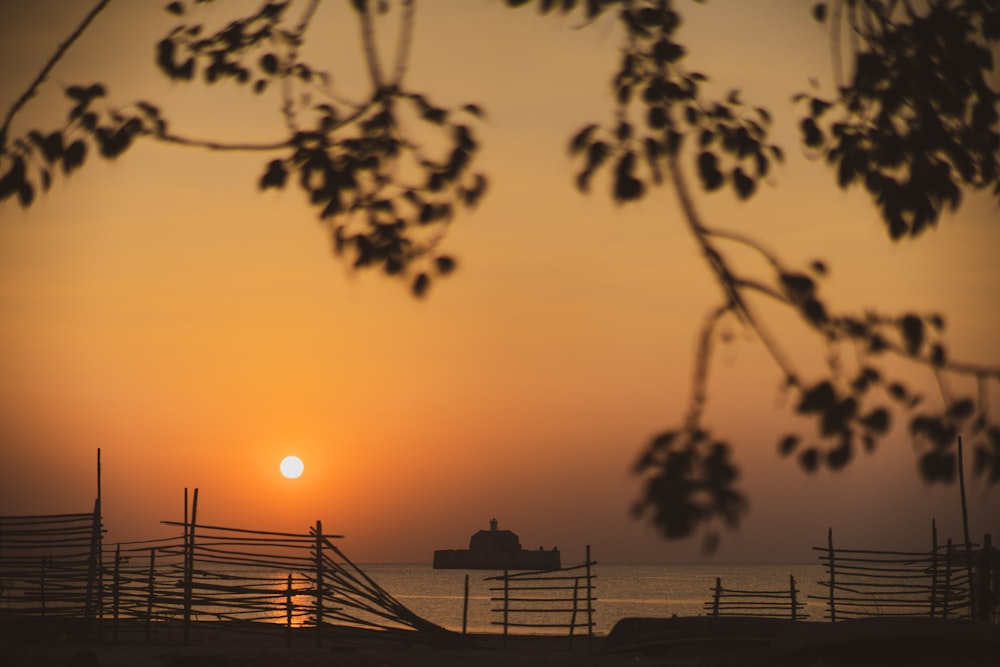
(287, 107)
(371, 50)
(749, 242)
(699, 382)
(838, 65)
(405, 41)
(56, 57)
(727, 281)
(216, 145)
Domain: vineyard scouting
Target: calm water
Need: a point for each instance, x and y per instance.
(621, 590)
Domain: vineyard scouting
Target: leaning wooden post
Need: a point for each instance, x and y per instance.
(984, 577)
(149, 594)
(288, 612)
(590, 605)
(189, 529)
(965, 529)
(506, 603)
(572, 618)
(116, 594)
(465, 607)
(947, 579)
(319, 583)
(716, 596)
(41, 592)
(934, 568)
(833, 605)
(795, 602)
(92, 600)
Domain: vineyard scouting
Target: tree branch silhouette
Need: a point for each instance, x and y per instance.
(56, 57)
(890, 138)
(386, 200)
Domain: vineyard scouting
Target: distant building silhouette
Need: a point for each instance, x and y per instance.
(495, 549)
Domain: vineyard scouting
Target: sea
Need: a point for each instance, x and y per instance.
(621, 591)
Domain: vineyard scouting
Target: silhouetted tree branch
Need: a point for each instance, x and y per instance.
(917, 124)
(386, 200)
(56, 57)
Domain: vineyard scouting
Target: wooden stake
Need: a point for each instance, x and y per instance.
(149, 594)
(590, 605)
(965, 529)
(833, 607)
(506, 604)
(319, 583)
(465, 606)
(116, 594)
(572, 618)
(934, 568)
(288, 612)
(718, 594)
(795, 606)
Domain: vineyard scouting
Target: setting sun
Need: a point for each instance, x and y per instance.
(292, 467)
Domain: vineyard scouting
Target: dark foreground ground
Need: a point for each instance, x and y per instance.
(676, 642)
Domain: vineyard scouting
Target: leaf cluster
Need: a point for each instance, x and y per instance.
(919, 119)
(653, 85)
(690, 480)
(385, 199)
(34, 159)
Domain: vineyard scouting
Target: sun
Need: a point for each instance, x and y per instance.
(292, 467)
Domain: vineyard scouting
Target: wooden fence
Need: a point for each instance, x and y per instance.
(939, 582)
(772, 604)
(562, 598)
(50, 565)
(246, 580)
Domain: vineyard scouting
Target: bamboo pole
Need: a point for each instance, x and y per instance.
(506, 605)
(590, 606)
(792, 592)
(149, 594)
(830, 567)
(572, 618)
(288, 612)
(984, 577)
(319, 583)
(465, 606)
(716, 596)
(116, 594)
(934, 568)
(189, 531)
(947, 580)
(965, 529)
(41, 593)
(98, 523)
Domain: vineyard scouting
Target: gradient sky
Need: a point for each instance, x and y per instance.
(161, 308)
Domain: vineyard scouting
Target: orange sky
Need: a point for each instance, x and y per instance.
(197, 330)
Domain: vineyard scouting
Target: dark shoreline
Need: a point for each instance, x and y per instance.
(685, 641)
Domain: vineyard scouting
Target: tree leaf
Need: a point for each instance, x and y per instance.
(912, 328)
(743, 184)
(876, 421)
(962, 409)
(788, 445)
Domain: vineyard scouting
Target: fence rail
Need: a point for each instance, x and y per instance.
(50, 564)
(241, 577)
(756, 603)
(547, 599)
(939, 582)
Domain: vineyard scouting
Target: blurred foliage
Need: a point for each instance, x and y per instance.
(915, 124)
(386, 201)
